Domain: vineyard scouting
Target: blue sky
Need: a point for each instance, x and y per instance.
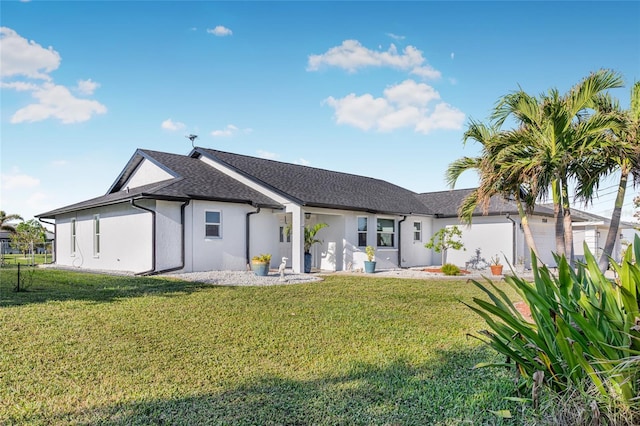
(381, 89)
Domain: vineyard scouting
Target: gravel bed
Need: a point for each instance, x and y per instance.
(245, 278)
(248, 278)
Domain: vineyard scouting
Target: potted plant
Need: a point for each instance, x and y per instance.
(309, 240)
(370, 264)
(260, 264)
(496, 266)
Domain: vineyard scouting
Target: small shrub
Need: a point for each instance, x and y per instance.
(263, 258)
(450, 269)
(371, 252)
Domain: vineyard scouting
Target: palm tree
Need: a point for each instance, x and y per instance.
(494, 178)
(554, 131)
(621, 152)
(6, 218)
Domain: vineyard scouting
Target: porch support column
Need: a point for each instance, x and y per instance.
(297, 239)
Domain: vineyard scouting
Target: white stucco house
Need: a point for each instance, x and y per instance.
(214, 210)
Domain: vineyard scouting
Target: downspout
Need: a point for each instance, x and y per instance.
(513, 239)
(153, 238)
(55, 238)
(400, 241)
(247, 235)
(182, 244)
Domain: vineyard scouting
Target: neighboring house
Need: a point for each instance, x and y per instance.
(6, 247)
(593, 230)
(213, 210)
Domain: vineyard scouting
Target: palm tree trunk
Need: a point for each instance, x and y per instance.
(568, 226)
(614, 226)
(528, 235)
(557, 217)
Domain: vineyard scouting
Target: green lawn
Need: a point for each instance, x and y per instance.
(92, 349)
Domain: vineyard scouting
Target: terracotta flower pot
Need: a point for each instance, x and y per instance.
(496, 269)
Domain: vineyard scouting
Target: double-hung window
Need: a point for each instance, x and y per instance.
(96, 235)
(386, 232)
(417, 231)
(362, 231)
(285, 235)
(213, 224)
(73, 237)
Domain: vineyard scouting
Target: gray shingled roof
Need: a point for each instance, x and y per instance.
(194, 180)
(446, 203)
(315, 187)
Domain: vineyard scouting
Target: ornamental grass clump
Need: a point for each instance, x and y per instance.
(584, 332)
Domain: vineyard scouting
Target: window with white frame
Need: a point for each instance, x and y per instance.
(212, 224)
(417, 231)
(386, 232)
(362, 231)
(285, 236)
(73, 237)
(96, 235)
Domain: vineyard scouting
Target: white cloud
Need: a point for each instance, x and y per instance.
(171, 125)
(19, 86)
(87, 87)
(21, 57)
(427, 71)
(266, 154)
(17, 180)
(230, 130)
(411, 93)
(362, 112)
(302, 162)
(55, 101)
(403, 105)
(396, 37)
(351, 55)
(453, 55)
(59, 163)
(220, 31)
(444, 117)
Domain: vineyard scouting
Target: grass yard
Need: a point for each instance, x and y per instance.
(81, 348)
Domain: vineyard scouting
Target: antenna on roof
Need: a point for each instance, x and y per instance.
(192, 138)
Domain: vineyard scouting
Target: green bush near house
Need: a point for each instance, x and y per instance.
(450, 269)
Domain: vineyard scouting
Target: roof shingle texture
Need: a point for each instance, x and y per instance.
(446, 203)
(324, 188)
(195, 180)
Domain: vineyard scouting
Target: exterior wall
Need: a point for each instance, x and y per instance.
(544, 236)
(493, 235)
(146, 173)
(413, 253)
(229, 251)
(168, 235)
(125, 239)
(328, 255)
